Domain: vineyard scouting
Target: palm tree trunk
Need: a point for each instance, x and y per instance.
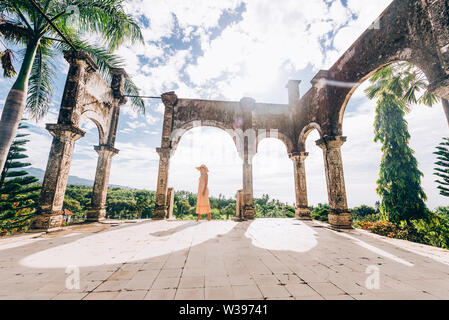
(15, 104)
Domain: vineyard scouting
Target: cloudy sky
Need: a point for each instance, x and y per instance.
(229, 49)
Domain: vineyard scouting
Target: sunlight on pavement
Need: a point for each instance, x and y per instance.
(376, 250)
(282, 234)
(142, 241)
(18, 244)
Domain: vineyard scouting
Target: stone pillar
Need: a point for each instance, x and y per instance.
(170, 203)
(49, 213)
(161, 208)
(248, 199)
(339, 216)
(293, 92)
(446, 109)
(239, 206)
(97, 210)
(302, 205)
(437, 13)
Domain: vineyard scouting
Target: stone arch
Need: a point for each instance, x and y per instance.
(86, 96)
(305, 133)
(425, 67)
(98, 121)
(275, 134)
(181, 130)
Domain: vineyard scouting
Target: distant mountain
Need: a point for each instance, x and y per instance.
(73, 180)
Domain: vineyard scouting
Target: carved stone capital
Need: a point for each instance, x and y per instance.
(106, 150)
(331, 142)
(169, 98)
(65, 132)
(298, 156)
(119, 71)
(118, 85)
(73, 57)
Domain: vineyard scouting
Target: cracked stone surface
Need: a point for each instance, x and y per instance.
(261, 259)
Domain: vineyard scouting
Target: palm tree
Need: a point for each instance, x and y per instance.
(23, 26)
(396, 87)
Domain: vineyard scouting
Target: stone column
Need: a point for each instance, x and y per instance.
(302, 205)
(170, 203)
(97, 210)
(293, 92)
(339, 216)
(446, 109)
(161, 208)
(49, 213)
(239, 206)
(248, 199)
(437, 13)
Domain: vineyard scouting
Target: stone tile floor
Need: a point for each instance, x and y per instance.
(262, 259)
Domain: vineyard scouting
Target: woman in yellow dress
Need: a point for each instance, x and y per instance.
(202, 204)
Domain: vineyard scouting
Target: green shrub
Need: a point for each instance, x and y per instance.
(362, 212)
(444, 211)
(290, 212)
(320, 212)
(434, 230)
(383, 228)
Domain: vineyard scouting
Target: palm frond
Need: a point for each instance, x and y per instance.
(131, 89)
(41, 83)
(14, 32)
(8, 69)
(107, 18)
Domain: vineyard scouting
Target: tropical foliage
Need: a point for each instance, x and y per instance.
(41, 38)
(18, 190)
(442, 170)
(126, 204)
(396, 88)
(320, 212)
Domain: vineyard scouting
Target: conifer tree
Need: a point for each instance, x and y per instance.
(442, 170)
(395, 87)
(18, 190)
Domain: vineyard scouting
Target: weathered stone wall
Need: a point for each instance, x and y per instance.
(416, 31)
(404, 32)
(86, 96)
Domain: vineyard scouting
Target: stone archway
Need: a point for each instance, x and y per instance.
(246, 121)
(86, 97)
(412, 30)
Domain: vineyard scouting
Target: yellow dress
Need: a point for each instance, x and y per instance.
(203, 205)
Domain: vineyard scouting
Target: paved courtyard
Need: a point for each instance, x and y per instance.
(262, 259)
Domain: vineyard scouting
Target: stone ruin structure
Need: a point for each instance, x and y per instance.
(86, 96)
(416, 31)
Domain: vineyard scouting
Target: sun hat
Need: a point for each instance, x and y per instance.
(203, 166)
